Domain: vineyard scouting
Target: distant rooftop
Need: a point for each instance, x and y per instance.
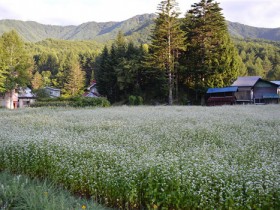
(248, 81)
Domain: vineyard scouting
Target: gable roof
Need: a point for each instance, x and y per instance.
(222, 90)
(92, 84)
(248, 81)
(25, 93)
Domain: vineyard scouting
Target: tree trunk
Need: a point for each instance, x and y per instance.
(170, 86)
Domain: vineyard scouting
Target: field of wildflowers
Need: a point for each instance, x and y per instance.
(151, 157)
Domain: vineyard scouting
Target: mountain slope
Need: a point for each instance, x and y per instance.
(137, 28)
(102, 32)
(33, 31)
(244, 31)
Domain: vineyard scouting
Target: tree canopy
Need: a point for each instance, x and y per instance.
(211, 59)
(15, 63)
(167, 40)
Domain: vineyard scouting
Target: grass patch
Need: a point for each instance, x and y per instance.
(22, 193)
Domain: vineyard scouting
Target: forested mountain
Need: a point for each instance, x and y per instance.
(244, 31)
(137, 28)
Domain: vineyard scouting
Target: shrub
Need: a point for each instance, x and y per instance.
(139, 100)
(131, 100)
(41, 93)
(135, 100)
(72, 102)
(85, 101)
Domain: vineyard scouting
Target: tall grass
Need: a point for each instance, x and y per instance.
(21, 192)
(151, 157)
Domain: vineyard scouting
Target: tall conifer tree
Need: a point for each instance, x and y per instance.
(105, 74)
(167, 40)
(211, 58)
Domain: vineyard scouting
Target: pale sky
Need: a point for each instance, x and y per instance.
(259, 13)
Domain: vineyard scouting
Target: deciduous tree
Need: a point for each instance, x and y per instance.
(37, 81)
(15, 63)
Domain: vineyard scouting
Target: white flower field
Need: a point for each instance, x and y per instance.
(165, 157)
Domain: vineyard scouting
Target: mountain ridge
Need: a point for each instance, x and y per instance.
(136, 28)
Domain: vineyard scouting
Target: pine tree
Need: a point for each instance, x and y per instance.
(167, 40)
(211, 58)
(105, 75)
(87, 61)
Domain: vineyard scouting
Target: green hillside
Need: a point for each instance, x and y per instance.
(136, 28)
(244, 31)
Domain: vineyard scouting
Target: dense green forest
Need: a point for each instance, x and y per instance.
(154, 65)
(261, 57)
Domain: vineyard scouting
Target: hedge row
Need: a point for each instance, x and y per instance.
(72, 102)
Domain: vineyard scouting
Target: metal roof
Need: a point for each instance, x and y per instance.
(276, 82)
(249, 81)
(25, 93)
(222, 90)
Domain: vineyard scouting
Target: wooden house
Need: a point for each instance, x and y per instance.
(221, 96)
(254, 89)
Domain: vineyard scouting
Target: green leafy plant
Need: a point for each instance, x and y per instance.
(135, 100)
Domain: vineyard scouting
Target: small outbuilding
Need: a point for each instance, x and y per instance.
(221, 96)
(25, 97)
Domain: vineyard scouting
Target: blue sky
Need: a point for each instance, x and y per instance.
(260, 13)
